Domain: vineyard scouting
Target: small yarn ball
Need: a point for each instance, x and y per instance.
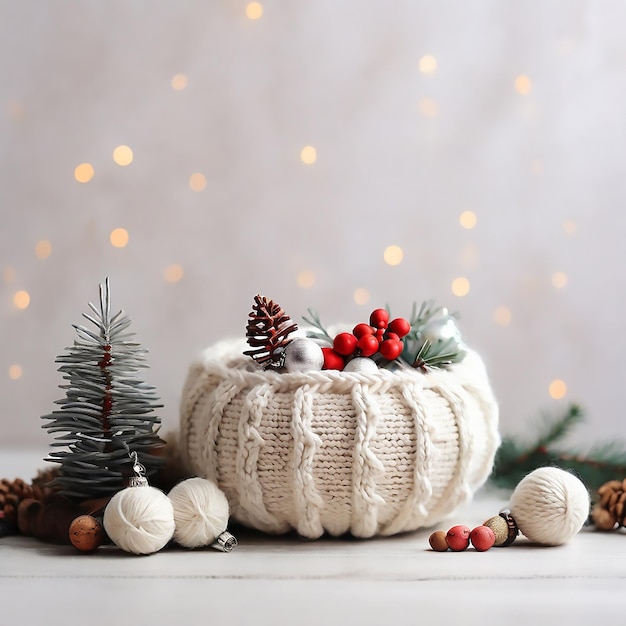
(361, 365)
(550, 506)
(303, 355)
(482, 538)
(458, 538)
(438, 541)
(139, 520)
(86, 533)
(200, 512)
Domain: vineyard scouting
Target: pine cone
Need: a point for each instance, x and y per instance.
(611, 506)
(43, 484)
(12, 492)
(267, 332)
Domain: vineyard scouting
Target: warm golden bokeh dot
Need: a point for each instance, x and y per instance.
(468, 219)
(308, 155)
(8, 274)
(21, 299)
(393, 255)
(84, 172)
(428, 107)
(523, 84)
(361, 295)
(197, 182)
(119, 237)
(428, 64)
(306, 279)
(15, 371)
(254, 10)
(570, 227)
(559, 280)
(179, 82)
(557, 389)
(43, 249)
(502, 316)
(460, 286)
(469, 256)
(173, 273)
(123, 155)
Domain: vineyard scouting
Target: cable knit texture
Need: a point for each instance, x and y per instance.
(338, 452)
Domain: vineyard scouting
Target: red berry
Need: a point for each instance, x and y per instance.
(379, 318)
(393, 336)
(458, 538)
(391, 349)
(345, 343)
(362, 329)
(332, 360)
(400, 326)
(380, 333)
(482, 538)
(368, 345)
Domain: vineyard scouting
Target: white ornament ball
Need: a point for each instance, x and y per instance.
(139, 520)
(550, 506)
(442, 327)
(303, 355)
(200, 512)
(361, 365)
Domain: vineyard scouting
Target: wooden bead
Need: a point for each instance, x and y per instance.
(500, 529)
(438, 541)
(86, 533)
(458, 538)
(482, 538)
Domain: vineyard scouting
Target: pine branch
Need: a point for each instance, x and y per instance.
(599, 464)
(315, 321)
(438, 354)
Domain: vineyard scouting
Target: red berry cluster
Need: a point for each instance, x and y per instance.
(458, 539)
(379, 336)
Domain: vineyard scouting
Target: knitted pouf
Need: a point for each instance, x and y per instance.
(338, 452)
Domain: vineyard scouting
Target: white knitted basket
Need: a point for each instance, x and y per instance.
(338, 452)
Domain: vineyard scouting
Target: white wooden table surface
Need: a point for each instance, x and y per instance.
(278, 580)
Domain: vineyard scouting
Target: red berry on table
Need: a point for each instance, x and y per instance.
(362, 329)
(400, 326)
(458, 538)
(332, 360)
(368, 345)
(482, 538)
(345, 343)
(379, 318)
(391, 349)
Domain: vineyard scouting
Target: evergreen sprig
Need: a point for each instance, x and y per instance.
(595, 466)
(315, 321)
(107, 412)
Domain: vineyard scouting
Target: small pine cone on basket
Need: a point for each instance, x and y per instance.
(610, 509)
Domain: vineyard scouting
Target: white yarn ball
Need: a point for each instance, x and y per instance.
(361, 365)
(139, 519)
(550, 506)
(200, 512)
(303, 355)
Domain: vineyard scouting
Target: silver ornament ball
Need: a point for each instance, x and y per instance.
(441, 328)
(361, 365)
(303, 355)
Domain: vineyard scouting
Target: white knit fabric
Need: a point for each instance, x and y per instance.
(338, 452)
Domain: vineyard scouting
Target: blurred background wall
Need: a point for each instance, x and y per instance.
(335, 154)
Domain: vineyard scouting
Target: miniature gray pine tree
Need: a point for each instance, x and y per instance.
(107, 413)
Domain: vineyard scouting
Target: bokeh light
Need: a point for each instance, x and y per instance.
(570, 227)
(254, 10)
(306, 279)
(43, 249)
(502, 316)
(173, 273)
(361, 296)
(179, 82)
(523, 84)
(428, 64)
(557, 389)
(559, 280)
(123, 155)
(21, 299)
(197, 182)
(119, 237)
(460, 286)
(393, 255)
(308, 155)
(468, 219)
(84, 172)
(428, 107)
(15, 371)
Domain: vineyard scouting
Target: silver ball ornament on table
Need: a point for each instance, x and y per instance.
(303, 355)
(361, 365)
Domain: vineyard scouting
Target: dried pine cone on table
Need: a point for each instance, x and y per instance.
(610, 509)
(12, 493)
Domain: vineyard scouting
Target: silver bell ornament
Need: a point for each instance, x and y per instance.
(303, 355)
(442, 327)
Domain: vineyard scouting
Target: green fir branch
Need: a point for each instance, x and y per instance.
(316, 322)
